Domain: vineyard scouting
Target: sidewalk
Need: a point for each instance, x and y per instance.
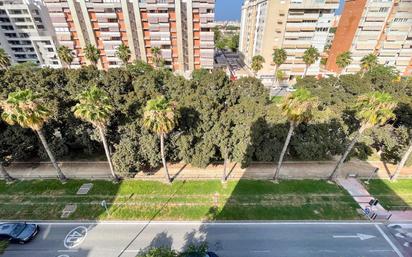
(362, 197)
(181, 171)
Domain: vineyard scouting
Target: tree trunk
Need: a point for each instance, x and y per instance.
(276, 73)
(43, 140)
(106, 150)
(402, 163)
(5, 174)
(345, 155)
(337, 80)
(162, 152)
(306, 71)
(285, 147)
(224, 175)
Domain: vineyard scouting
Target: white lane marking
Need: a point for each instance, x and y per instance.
(389, 241)
(260, 251)
(63, 255)
(380, 251)
(46, 232)
(75, 237)
(358, 235)
(68, 251)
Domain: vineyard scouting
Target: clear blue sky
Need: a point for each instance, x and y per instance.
(230, 9)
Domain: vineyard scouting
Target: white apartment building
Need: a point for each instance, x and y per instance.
(26, 33)
(382, 27)
(294, 25)
(31, 30)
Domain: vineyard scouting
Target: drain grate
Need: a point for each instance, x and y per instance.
(68, 209)
(84, 189)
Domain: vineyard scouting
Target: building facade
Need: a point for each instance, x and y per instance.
(382, 27)
(26, 33)
(181, 29)
(294, 25)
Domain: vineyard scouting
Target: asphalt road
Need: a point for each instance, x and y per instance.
(226, 239)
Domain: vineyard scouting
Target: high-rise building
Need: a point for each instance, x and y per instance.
(25, 33)
(382, 27)
(294, 25)
(182, 29)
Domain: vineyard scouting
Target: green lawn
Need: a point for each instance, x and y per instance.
(3, 246)
(192, 200)
(392, 195)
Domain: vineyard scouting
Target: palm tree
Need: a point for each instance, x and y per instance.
(310, 56)
(343, 60)
(4, 59)
(157, 57)
(92, 53)
(159, 117)
(297, 107)
(279, 57)
(401, 164)
(372, 109)
(65, 55)
(257, 63)
(368, 61)
(123, 52)
(94, 107)
(25, 108)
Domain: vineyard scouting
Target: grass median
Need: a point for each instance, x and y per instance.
(190, 200)
(393, 195)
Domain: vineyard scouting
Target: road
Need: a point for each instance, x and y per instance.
(226, 239)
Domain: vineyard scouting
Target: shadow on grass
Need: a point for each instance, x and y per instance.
(393, 196)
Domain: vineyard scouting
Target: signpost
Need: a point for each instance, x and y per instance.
(104, 205)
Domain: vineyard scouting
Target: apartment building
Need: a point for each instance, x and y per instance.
(294, 25)
(382, 27)
(26, 34)
(182, 29)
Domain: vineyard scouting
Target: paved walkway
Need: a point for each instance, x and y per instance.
(362, 197)
(290, 170)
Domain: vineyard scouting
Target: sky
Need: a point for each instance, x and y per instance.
(230, 9)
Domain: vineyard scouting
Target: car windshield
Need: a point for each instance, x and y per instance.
(18, 228)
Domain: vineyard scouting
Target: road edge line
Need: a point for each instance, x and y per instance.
(398, 252)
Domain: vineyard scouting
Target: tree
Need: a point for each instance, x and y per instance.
(4, 59)
(371, 109)
(160, 118)
(368, 62)
(233, 42)
(123, 53)
(65, 55)
(157, 58)
(297, 107)
(25, 108)
(94, 107)
(310, 56)
(92, 53)
(257, 63)
(343, 60)
(401, 164)
(279, 57)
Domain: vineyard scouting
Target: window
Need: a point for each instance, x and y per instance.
(7, 27)
(4, 19)
(50, 49)
(383, 9)
(112, 20)
(24, 35)
(38, 19)
(40, 26)
(400, 20)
